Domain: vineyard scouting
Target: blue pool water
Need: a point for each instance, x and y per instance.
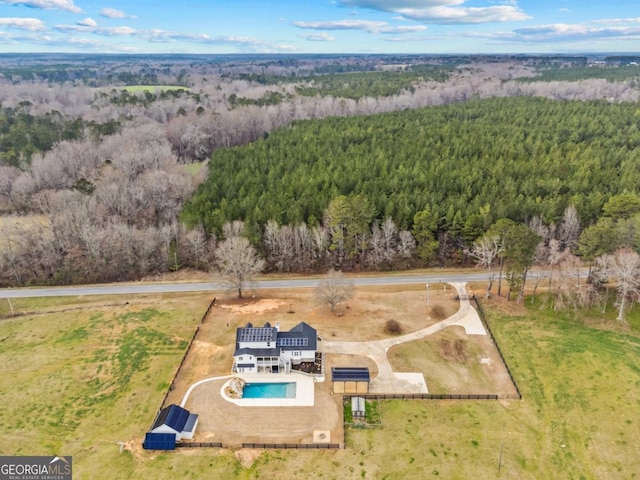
(269, 390)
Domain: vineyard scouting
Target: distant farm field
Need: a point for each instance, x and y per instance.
(83, 374)
(153, 88)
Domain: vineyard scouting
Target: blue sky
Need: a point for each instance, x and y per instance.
(320, 26)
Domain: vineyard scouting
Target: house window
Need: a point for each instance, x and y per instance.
(240, 359)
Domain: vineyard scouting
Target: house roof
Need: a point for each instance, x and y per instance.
(173, 416)
(258, 352)
(301, 337)
(256, 334)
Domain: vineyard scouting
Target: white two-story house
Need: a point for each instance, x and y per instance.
(267, 349)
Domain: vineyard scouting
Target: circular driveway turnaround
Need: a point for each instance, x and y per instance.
(388, 381)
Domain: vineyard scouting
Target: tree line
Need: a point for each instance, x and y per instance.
(468, 164)
(101, 200)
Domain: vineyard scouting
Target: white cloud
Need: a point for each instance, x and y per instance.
(317, 37)
(87, 22)
(67, 5)
(342, 25)
(159, 36)
(612, 21)
(459, 15)
(113, 13)
(164, 36)
(106, 31)
(561, 32)
(405, 29)
(29, 24)
(393, 5)
(367, 25)
(444, 11)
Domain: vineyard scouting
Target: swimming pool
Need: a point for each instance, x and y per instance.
(269, 390)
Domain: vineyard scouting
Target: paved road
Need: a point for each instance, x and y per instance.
(132, 289)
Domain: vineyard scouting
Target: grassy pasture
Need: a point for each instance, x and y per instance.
(92, 371)
(80, 374)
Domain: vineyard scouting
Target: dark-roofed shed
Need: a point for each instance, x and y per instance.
(350, 379)
(177, 421)
(159, 441)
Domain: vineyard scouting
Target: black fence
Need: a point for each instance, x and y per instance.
(518, 395)
(423, 396)
(199, 445)
(263, 446)
(293, 446)
(184, 357)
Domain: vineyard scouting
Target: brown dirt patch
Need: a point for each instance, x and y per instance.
(247, 456)
(253, 307)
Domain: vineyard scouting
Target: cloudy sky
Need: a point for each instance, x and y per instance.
(320, 26)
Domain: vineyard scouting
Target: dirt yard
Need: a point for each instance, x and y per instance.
(364, 318)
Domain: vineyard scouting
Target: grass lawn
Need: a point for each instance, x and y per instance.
(86, 375)
(579, 417)
(80, 374)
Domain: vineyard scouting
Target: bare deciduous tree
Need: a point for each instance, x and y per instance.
(232, 229)
(7, 177)
(486, 251)
(624, 267)
(333, 289)
(406, 244)
(569, 229)
(237, 262)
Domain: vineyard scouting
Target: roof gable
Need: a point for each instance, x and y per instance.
(305, 337)
(304, 328)
(173, 417)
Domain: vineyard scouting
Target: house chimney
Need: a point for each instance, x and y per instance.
(277, 326)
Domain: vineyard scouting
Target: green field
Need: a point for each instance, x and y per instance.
(92, 372)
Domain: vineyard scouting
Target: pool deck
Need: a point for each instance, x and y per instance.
(234, 424)
(304, 390)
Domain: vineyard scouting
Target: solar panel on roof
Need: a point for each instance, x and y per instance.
(341, 374)
(159, 441)
(292, 342)
(256, 334)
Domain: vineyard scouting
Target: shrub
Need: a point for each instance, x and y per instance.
(392, 327)
(438, 312)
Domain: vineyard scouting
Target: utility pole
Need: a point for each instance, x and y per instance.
(428, 293)
(13, 314)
